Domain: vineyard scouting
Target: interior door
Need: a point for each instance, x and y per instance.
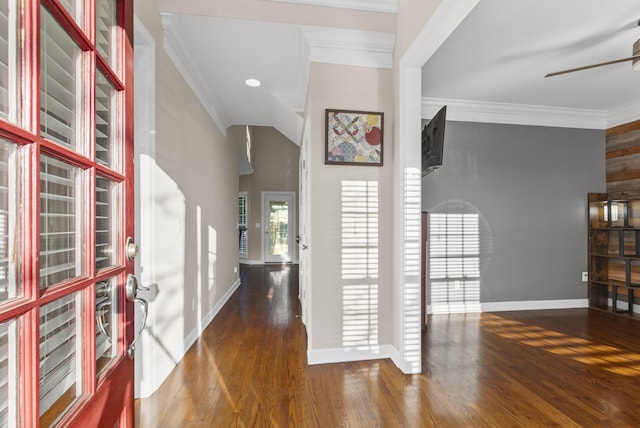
(66, 208)
(278, 219)
(304, 234)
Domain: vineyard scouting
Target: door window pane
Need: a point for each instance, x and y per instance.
(61, 248)
(106, 31)
(279, 228)
(8, 60)
(9, 374)
(60, 361)
(107, 114)
(61, 84)
(106, 222)
(107, 337)
(75, 9)
(9, 222)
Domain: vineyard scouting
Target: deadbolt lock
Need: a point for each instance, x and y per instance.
(131, 249)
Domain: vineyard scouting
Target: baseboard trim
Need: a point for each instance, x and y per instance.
(528, 305)
(344, 355)
(251, 262)
(208, 317)
(534, 305)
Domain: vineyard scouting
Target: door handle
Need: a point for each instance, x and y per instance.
(145, 306)
(131, 290)
(297, 239)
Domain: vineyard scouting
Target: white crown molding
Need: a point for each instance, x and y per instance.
(177, 52)
(515, 114)
(624, 114)
(350, 47)
(386, 6)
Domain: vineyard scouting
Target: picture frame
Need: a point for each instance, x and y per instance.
(354, 137)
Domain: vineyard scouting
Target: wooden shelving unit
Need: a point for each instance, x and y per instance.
(614, 253)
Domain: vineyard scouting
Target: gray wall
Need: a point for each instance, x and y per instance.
(529, 185)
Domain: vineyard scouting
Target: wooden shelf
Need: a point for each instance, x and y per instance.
(614, 253)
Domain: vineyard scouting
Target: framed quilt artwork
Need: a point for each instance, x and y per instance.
(353, 137)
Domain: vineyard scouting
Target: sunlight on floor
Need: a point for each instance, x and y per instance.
(584, 351)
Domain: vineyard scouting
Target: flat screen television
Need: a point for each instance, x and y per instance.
(433, 142)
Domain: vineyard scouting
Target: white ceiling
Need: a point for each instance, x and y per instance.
(503, 49)
(490, 69)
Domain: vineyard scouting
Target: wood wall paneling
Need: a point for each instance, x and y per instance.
(623, 161)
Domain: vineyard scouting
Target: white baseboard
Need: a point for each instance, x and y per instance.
(343, 355)
(533, 305)
(208, 317)
(251, 262)
(262, 262)
(528, 305)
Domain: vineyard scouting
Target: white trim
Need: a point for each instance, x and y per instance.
(624, 114)
(207, 318)
(441, 24)
(529, 305)
(145, 196)
(251, 262)
(350, 47)
(515, 114)
(343, 355)
(385, 6)
(178, 53)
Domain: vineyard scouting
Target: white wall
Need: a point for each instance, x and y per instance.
(194, 258)
(337, 288)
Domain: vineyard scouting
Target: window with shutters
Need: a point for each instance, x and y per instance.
(242, 224)
(454, 262)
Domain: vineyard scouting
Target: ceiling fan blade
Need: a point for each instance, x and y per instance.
(586, 67)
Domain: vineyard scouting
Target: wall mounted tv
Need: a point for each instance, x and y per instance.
(433, 142)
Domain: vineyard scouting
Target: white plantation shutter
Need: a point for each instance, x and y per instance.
(8, 220)
(59, 225)
(59, 341)
(106, 226)
(106, 132)
(60, 93)
(242, 223)
(106, 20)
(5, 56)
(8, 374)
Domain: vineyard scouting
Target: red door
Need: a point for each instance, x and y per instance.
(66, 210)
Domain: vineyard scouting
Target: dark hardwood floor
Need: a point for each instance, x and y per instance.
(565, 368)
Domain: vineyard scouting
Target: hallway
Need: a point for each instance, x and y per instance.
(517, 369)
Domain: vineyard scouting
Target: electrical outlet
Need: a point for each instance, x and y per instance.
(585, 276)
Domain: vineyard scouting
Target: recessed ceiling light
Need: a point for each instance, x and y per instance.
(253, 83)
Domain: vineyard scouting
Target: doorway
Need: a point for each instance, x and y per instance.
(278, 219)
